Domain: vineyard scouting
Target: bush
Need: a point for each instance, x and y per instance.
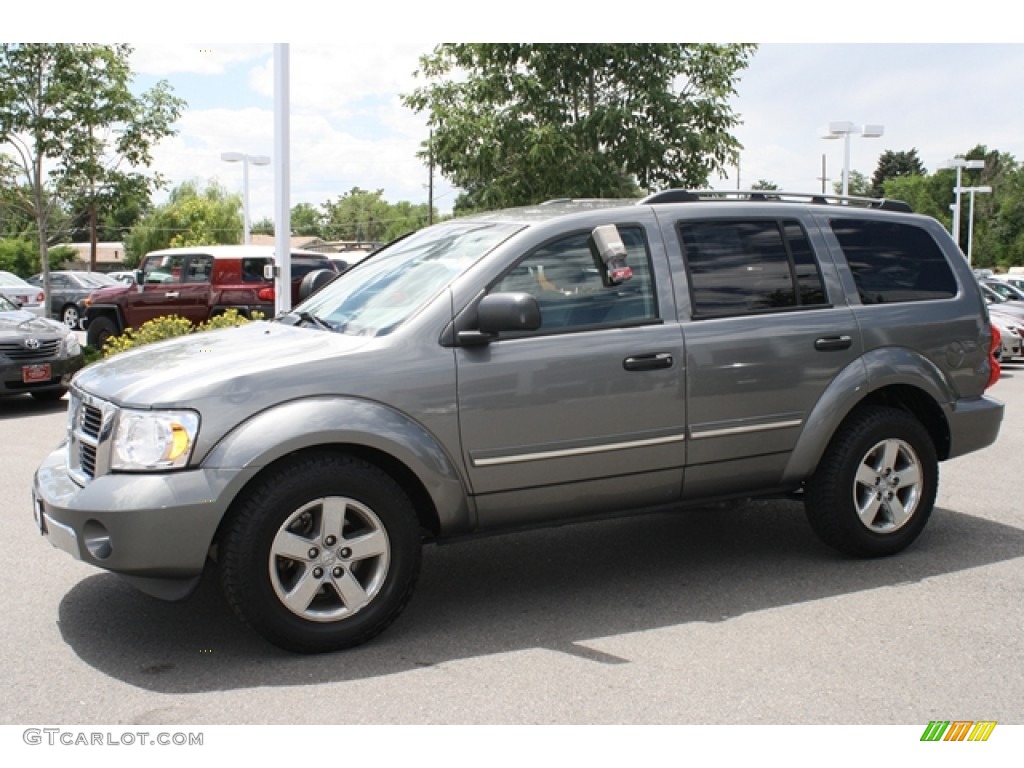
(160, 328)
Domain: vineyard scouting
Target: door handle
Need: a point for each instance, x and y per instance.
(171, 295)
(648, 362)
(830, 343)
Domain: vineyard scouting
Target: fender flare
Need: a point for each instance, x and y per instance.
(873, 371)
(346, 421)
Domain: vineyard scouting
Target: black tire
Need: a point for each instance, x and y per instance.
(99, 331)
(876, 451)
(290, 553)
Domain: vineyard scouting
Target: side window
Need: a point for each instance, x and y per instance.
(565, 278)
(742, 267)
(165, 269)
(893, 262)
(199, 269)
(252, 269)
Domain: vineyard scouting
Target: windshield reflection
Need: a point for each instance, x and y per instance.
(378, 295)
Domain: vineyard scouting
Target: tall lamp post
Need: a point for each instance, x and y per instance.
(235, 157)
(843, 130)
(970, 215)
(959, 163)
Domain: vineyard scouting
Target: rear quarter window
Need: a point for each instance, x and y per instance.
(893, 262)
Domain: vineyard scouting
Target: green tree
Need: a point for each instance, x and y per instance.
(73, 124)
(356, 215)
(306, 220)
(264, 226)
(515, 124)
(859, 185)
(892, 165)
(191, 216)
(764, 184)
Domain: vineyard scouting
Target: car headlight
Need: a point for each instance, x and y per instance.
(71, 345)
(148, 440)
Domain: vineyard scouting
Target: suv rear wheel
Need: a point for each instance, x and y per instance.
(875, 487)
(322, 554)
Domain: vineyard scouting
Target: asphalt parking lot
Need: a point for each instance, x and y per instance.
(720, 615)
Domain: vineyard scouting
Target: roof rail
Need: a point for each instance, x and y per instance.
(756, 195)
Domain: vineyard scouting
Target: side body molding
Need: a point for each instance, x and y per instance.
(877, 369)
(333, 421)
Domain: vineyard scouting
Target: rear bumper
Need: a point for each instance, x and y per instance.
(974, 424)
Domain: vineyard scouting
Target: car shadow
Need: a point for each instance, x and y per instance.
(553, 589)
(18, 406)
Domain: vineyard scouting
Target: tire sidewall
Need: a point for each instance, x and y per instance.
(830, 503)
(249, 547)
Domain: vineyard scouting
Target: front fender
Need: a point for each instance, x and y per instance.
(345, 421)
(876, 370)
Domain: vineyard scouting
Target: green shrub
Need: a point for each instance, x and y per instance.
(160, 328)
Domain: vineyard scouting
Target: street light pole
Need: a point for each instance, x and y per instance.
(843, 130)
(959, 164)
(970, 216)
(235, 157)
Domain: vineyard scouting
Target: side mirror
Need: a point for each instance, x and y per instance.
(502, 313)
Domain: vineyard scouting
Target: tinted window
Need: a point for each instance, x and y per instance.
(894, 262)
(199, 269)
(565, 277)
(739, 267)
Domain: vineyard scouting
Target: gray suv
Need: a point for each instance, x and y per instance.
(528, 367)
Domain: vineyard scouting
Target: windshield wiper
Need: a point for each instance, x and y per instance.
(307, 317)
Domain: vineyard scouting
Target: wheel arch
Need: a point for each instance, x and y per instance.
(372, 432)
(892, 377)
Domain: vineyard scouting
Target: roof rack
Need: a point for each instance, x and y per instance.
(764, 195)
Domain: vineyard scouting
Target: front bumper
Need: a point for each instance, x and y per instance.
(61, 371)
(154, 529)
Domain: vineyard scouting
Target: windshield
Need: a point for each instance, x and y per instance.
(376, 296)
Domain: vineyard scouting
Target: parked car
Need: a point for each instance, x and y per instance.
(1011, 329)
(124, 276)
(26, 296)
(1004, 288)
(68, 291)
(38, 356)
(196, 283)
(344, 261)
(532, 367)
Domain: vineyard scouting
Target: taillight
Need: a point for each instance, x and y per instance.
(41, 297)
(266, 294)
(995, 370)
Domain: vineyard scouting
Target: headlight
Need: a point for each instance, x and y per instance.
(146, 440)
(71, 345)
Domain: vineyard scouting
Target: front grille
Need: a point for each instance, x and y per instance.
(90, 423)
(19, 352)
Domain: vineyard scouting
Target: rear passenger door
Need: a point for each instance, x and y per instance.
(767, 329)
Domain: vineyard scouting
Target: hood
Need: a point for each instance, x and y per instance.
(22, 322)
(234, 362)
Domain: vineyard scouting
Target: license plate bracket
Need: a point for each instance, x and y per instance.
(35, 373)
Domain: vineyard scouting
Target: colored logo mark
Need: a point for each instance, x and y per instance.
(958, 730)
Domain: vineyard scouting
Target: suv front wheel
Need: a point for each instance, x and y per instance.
(875, 487)
(321, 554)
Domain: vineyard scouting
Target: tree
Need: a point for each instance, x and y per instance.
(764, 184)
(357, 215)
(75, 127)
(306, 220)
(515, 124)
(892, 165)
(190, 217)
(858, 186)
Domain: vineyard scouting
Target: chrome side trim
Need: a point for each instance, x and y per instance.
(698, 435)
(568, 452)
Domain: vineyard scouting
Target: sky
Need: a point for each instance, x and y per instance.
(932, 87)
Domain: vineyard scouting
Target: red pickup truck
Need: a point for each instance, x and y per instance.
(196, 283)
